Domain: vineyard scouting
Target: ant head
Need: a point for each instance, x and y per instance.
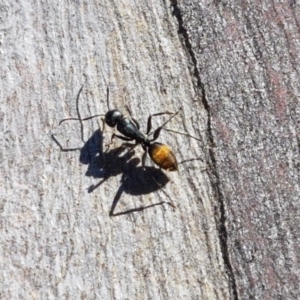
(112, 117)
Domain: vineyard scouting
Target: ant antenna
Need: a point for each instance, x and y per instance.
(77, 110)
(78, 114)
(183, 133)
(175, 131)
(88, 118)
(176, 113)
(157, 131)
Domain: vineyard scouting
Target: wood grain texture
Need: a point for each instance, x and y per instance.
(232, 231)
(246, 57)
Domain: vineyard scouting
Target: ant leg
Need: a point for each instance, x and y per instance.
(121, 148)
(157, 131)
(120, 137)
(144, 159)
(149, 123)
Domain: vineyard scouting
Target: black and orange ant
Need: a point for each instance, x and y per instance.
(160, 154)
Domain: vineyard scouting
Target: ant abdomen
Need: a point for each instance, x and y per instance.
(163, 156)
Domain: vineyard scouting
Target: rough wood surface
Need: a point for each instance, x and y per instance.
(232, 231)
(246, 57)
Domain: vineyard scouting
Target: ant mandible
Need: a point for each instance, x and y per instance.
(160, 154)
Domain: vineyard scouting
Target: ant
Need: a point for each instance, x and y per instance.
(160, 154)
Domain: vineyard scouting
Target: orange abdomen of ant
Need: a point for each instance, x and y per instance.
(163, 156)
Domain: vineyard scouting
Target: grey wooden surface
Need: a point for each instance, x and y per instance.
(232, 231)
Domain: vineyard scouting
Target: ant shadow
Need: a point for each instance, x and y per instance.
(136, 180)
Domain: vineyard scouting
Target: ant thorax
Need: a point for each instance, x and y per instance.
(129, 129)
